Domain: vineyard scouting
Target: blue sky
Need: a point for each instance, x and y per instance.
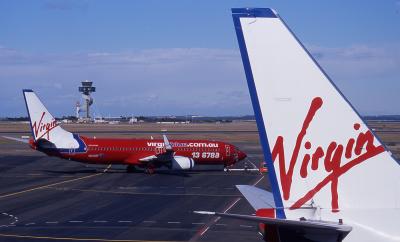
(181, 57)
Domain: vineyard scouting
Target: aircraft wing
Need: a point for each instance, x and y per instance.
(295, 230)
(284, 222)
(26, 141)
(148, 158)
(165, 156)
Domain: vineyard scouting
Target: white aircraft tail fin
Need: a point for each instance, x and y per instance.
(319, 151)
(44, 126)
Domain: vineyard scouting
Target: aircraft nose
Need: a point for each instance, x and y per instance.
(241, 155)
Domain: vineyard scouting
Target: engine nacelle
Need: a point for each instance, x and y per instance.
(182, 163)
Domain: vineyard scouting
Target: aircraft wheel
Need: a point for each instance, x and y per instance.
(130, 169)
(150, 169)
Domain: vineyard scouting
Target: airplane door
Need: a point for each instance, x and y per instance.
(228, 150)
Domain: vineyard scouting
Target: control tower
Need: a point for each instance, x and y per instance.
(86, 89)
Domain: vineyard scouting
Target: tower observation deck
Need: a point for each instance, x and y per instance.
(86, 89)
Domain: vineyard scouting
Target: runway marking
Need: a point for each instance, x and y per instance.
(149, 221)
(198, 223)
(233, 204)
(258, 181)
(51, 222)
(220, 224)
(254, 166)
(54, 184)
(204, 231)
(75, 221)
(100, 221)
(29, 224)
(246, 226)
(209, 224)
(174, 222)
(73, 238)
(13, 222)
(124, 221)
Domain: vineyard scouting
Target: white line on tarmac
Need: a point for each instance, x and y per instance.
(204, 231)
(233, 204)
(254, 166)
(226, 210)
(258, 181)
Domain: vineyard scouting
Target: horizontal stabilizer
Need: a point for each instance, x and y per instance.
(16, 139)
(295, 230)
(258, 198)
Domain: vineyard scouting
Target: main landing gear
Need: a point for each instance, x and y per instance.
(130, 169)
(150, 169)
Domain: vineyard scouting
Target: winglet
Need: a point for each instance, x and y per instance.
(168, 146)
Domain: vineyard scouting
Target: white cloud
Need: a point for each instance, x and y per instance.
(152, 81)
(359, 61)
(183, 80)
(369, 76)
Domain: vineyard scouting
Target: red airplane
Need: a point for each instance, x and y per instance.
(150, 154)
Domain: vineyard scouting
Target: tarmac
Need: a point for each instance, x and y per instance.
(49, 199)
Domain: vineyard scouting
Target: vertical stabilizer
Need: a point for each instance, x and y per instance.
(44, 126)
(321, 155)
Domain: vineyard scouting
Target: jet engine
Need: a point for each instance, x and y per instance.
(182, 163)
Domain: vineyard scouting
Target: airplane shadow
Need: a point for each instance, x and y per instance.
(73, 172)
(119, 171)
(174, 173)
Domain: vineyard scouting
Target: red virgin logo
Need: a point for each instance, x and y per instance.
(41, 129)
(356, 151)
